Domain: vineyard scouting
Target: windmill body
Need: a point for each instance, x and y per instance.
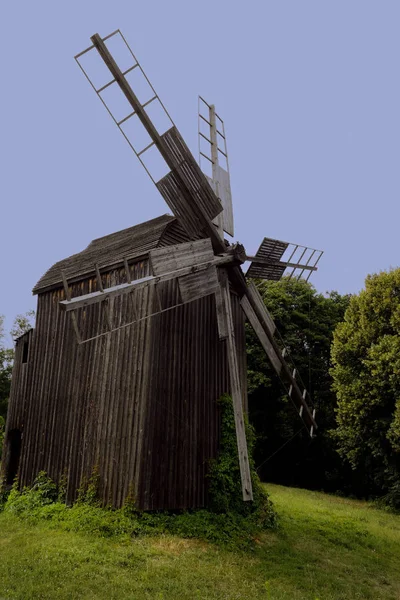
(138, 335)
(136, 404)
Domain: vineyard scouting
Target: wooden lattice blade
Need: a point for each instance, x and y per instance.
(275, 258)
(185, 187)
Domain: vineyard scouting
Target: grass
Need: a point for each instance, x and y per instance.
(326, 547)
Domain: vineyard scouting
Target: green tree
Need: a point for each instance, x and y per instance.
(366, 374)
(21, 324)
(6, 361)
(306, 321)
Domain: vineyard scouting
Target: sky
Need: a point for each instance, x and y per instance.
(309, 92)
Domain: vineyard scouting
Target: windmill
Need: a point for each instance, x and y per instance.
(207, 264)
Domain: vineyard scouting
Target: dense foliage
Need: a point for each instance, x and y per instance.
(6, 360)
(306, 321)
(366, 373)
(225, 483)
(22, 323)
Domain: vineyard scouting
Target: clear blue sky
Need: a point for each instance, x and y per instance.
(309, 91)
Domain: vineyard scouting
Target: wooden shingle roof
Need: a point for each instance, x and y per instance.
(109, 250)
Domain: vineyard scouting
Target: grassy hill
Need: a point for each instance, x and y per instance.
(325, 547)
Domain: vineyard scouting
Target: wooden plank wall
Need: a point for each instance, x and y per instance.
(86, 402)
(139, 403)
(189, 374)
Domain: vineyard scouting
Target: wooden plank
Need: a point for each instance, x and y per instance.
(198, 285)
(236, 391)
(73, 316)
(172, 258)
(262, 336)
(267, 319)
(221, 318)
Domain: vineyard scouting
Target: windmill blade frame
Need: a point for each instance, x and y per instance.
(185, 188)
(275, 258)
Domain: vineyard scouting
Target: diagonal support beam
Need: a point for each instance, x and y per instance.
(236, 390)
(262, 320)
(68, 297)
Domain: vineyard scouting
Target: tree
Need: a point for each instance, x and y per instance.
(306, 321)
(366, 375)
(6, 360)
(22, 323)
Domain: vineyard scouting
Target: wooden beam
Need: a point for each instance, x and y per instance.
(198, 285)
(236, 390)
(173, 258)
(221, 319)
(262, 336)
(263, 311)
(101, 289)
(68, 297)
(124, 288)
(279, 263)
(262, 315)
(257, 304)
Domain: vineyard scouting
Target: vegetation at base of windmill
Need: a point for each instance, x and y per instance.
(225, 484)
(306, 321)
(88, 492)
(229, 521)
(366, 374)
(326, 547)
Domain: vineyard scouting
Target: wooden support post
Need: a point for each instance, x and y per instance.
(101, 289)
(236, 390)
(127, 271)
(129, 280)
(221, 316)
(73, 315)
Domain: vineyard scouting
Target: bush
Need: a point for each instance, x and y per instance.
(225, 484)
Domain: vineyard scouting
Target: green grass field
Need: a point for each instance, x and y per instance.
(326, 548)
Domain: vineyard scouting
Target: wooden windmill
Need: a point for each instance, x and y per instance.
(207, 264)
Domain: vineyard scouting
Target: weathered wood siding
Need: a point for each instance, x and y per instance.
(188, 374)
(138, 404)
(86, 402)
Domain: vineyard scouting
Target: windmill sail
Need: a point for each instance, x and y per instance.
(275, 258)
(185, 188)
(215, 150)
